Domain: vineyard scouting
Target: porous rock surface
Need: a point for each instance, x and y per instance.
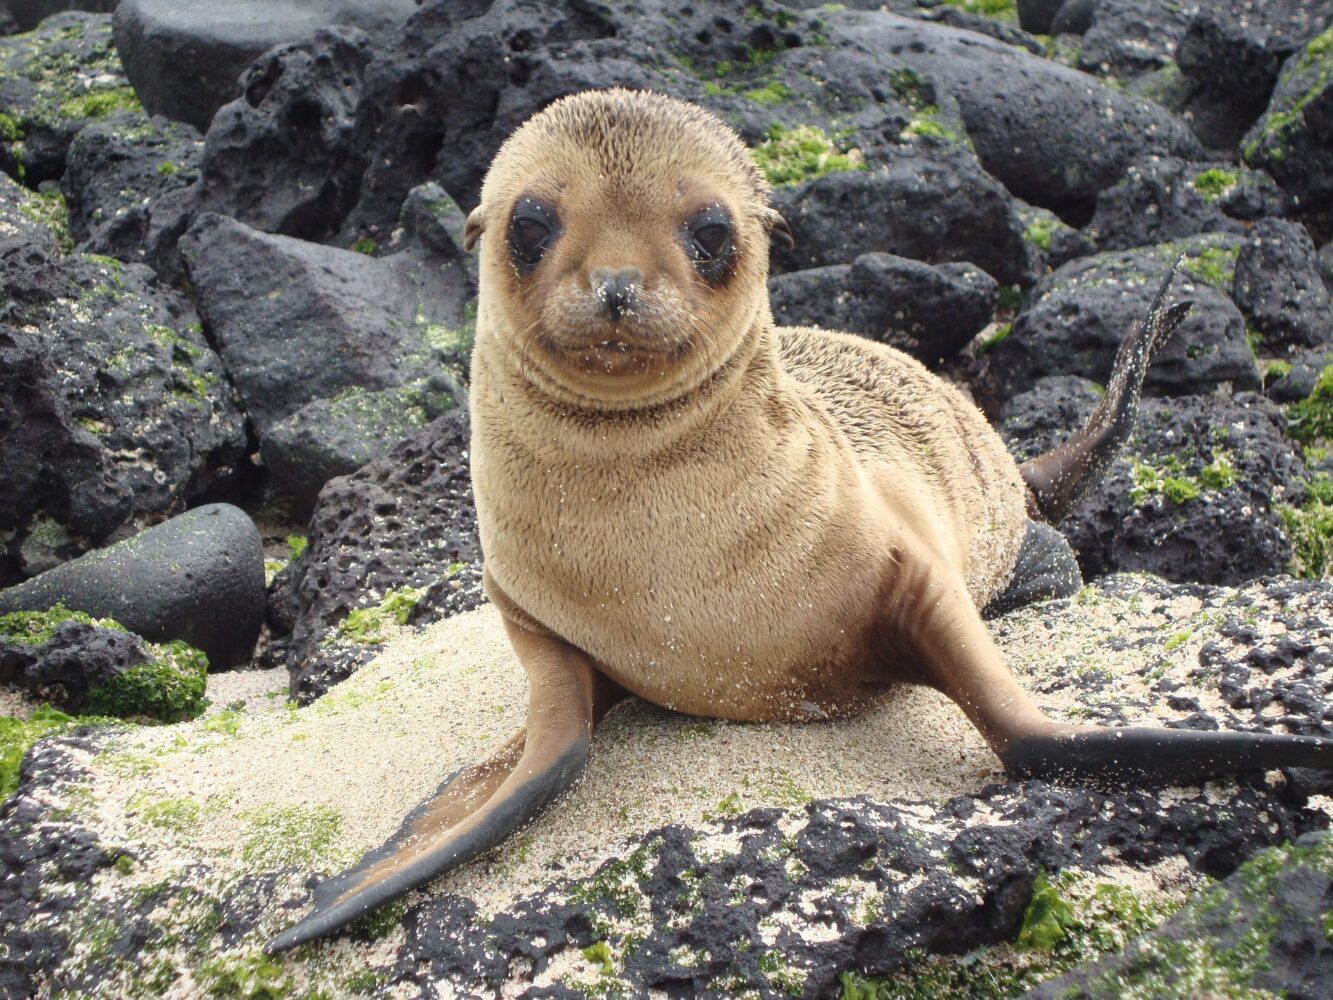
(708, 859)
(404, 521)
(1075, 318)
(185, 58)
(113, 407)
(296, 321)
(1217, 521)
(130, 187)
(54, 81)
(929, 312)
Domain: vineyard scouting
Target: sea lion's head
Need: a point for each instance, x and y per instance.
(626, 247)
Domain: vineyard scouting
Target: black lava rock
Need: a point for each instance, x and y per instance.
(1263, 926)
(929, 312)
(935, 209)
(1127, 38)
(1293, 140)
(287, 155)
(328, 438)
(198, 577)
(1233, 50)
(185, 59)
(27, 217)
(1278, 286)
(1193, 496)
(296, 321)
(1075, 319)
(1166, 198)
(406, 520)
(53, 82)
(130, 186)
(112, 405)
(1051, 135)
(30, 13)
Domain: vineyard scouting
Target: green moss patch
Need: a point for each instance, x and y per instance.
(1311, 419)
(1169, 478)
(1214, 183)
(282, 837)
(1309, 530)
(790, 156)
(168, 688)
(367, 625)
(1003, 10)
(1069, 920)
(35, 628)
(1039, 233)
(18, 735)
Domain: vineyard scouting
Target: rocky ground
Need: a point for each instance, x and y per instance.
(232, 272)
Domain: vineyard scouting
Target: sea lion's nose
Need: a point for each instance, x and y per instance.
(617, 289)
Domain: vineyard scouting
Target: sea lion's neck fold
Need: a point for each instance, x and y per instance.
(547, 417)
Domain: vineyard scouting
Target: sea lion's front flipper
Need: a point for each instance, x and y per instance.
(478, 807)
(944, 641)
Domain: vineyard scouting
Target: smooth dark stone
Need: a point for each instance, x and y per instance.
(198, 577)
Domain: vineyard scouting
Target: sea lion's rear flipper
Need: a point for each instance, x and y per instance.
(1061, 477)
(944, 643)
(478, 807)
(1142, 757)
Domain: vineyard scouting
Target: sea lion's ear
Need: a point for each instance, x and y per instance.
(472, 229)
(778, 229)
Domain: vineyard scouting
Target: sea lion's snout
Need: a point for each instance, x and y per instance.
(616, 290)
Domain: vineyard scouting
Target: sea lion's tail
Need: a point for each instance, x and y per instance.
(1063, 476)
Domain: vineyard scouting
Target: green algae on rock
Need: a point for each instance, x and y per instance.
(802, 153)
(134, 680)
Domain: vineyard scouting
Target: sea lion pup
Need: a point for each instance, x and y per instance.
(681, 502)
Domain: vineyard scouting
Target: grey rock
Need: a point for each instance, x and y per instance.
(405, 520)
(198, 577)
(113, 407)
(1050, 134)
(1325, 262)
(435, 221)
(286, 156)
(130, 185)
(1128, 38)
(1166, 198)
(28, 218)
(928, 209)
(53, 82)
(1133, 521)
(1035, 15)
(30, 13)
(1074, 17)
(335, 437)
(296, 321)
(1233, 50)
(1278, 286)
(185, 58)
(929, 312)
(1001, 31)
(1293, 140)
(1075, 319)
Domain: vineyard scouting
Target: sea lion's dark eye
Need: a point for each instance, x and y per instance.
(712, 240)
(533, 229)
(707, 239)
